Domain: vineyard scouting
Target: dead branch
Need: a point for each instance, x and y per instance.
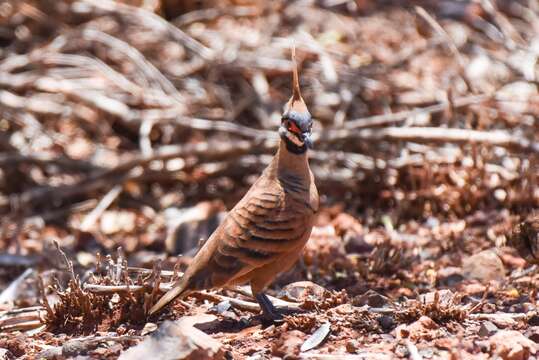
(44, 160)
(435, 134)
(155, 77)
(111, 289)
(172, 116)
(103, 204)
(153, 22)
(440, 30)
(386, 119)
(39, 105)
(21, 319)
(93, 64)
(237, 303)
(128, 170)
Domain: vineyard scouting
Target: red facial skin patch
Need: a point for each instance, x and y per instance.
(293, 127)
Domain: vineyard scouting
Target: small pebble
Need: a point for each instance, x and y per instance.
(487, 329)
(386, 322)
(534, 320)
(533, 334)
(352, 346)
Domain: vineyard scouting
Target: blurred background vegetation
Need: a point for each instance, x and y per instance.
(139, 123)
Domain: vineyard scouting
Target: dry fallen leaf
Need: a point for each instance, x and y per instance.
(148, 328)
(301, 290)
(317, 337)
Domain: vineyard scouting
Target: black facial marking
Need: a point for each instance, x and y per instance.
(290, 146)
(303, 121)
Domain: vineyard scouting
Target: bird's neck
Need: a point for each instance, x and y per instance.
(290, 163)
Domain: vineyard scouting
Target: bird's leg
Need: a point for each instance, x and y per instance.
(268, 310)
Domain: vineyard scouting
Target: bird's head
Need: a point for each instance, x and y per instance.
(296, 122)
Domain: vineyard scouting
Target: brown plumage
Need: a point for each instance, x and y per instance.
(525, 238)
(264, 234)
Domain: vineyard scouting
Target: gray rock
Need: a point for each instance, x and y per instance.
(484, 266)
(487, 329)
(386, 322)
(445, 297)
(176, 340)
(371, 298)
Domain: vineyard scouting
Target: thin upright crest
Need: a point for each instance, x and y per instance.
(296, 93)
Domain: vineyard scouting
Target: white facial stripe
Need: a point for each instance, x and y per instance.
(294, 138)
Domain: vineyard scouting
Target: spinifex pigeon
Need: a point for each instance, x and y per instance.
(264, 234)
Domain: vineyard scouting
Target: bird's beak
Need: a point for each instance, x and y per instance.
(307, 140)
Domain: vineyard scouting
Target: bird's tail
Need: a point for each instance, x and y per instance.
(178, 289)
